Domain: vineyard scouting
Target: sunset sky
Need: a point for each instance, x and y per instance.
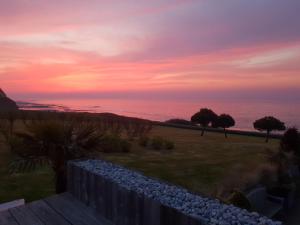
(94, 48)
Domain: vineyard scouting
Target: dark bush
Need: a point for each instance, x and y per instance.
(290, 141)
(169, 145)
(114, 143)
(144, 141)
(180, 122)
(125, 146)
(137, 129)
(157, 143)
(239, 199)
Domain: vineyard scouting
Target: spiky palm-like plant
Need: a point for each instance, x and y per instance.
(53, 143)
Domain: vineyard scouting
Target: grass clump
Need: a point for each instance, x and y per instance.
(160, 143)
(144, 141)
(157, 143)
(114, 143)
(169, 145)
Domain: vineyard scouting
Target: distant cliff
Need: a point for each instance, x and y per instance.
(6, 104)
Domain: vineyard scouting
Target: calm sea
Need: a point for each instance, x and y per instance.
(245, 113)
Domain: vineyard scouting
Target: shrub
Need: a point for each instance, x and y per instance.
(290, 141)
(180, 122)
(137, 128)
(169, 145)
(239, 199)
(267, 174)
(157, 143)
(242, 179)
(114, 143)
(125, 146)
(144, 141)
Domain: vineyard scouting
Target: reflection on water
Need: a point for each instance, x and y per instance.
(245, 113)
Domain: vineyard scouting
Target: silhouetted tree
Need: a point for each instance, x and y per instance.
(268, 124)
(204, 117)
(224, 121)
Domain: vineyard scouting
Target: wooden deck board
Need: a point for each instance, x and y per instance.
(74, 211)
(25, 216)
(7, 219)
(56, 210)
(47, 214)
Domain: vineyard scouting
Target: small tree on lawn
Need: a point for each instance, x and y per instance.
(269, 124)
(204, 117)
(225, 121)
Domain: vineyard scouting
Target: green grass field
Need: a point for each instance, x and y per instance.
(198, 163)
(30, 186)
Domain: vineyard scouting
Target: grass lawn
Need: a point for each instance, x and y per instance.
(198, 163)
(30, 186)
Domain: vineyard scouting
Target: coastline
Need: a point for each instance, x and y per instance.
(28, 106)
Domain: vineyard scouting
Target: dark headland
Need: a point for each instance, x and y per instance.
(6, 104)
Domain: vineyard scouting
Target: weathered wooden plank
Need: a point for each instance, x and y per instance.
(115, 203)
(132, 208)
(152, 212)
(7, 219)
(12, 204)
(138, 202)
(120, 206)
(87, 210)
(126, 206)
(75, 211)
(83, 184)
(76, 171)
(47, 214)
(70, 177)
(24, 216)
(108, 199)
(194, 221)
(170, 216)
(92, 190)
(100, 195)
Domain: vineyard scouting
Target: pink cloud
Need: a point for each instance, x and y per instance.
(153, 46)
